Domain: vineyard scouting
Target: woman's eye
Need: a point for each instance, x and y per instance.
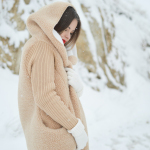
(71, 33)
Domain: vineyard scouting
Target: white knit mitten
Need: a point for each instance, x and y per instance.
(75, 81)
(79, 134)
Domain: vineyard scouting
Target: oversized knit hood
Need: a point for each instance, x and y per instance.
(42, 23)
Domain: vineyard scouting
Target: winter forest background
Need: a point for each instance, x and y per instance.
(114, 65)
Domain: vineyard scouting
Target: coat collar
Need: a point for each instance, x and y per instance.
(72, 54)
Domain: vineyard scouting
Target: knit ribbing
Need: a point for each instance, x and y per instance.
(42, 79)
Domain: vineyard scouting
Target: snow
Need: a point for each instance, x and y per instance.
(20, 36)
(116, 120)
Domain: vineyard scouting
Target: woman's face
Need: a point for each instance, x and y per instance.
(67, 33)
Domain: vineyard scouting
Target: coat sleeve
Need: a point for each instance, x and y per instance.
(41, 61)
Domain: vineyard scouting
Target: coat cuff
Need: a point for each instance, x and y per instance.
(78, 129)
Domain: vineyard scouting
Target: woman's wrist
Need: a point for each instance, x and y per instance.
(78, 129)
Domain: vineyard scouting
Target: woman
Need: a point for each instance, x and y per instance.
(50, 111)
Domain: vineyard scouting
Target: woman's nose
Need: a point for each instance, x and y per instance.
(68, 36)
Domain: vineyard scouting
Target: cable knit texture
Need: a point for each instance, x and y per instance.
(48, 106)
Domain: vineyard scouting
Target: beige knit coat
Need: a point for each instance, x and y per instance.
(48, 106)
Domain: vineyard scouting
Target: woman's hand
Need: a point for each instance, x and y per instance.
(74, 81)
(79, 134)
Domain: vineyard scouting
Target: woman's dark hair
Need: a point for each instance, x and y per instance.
(67, 17)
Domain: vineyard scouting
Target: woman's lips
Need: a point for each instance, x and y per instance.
(64, 41)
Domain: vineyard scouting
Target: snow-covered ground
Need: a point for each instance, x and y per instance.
(116, 120)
